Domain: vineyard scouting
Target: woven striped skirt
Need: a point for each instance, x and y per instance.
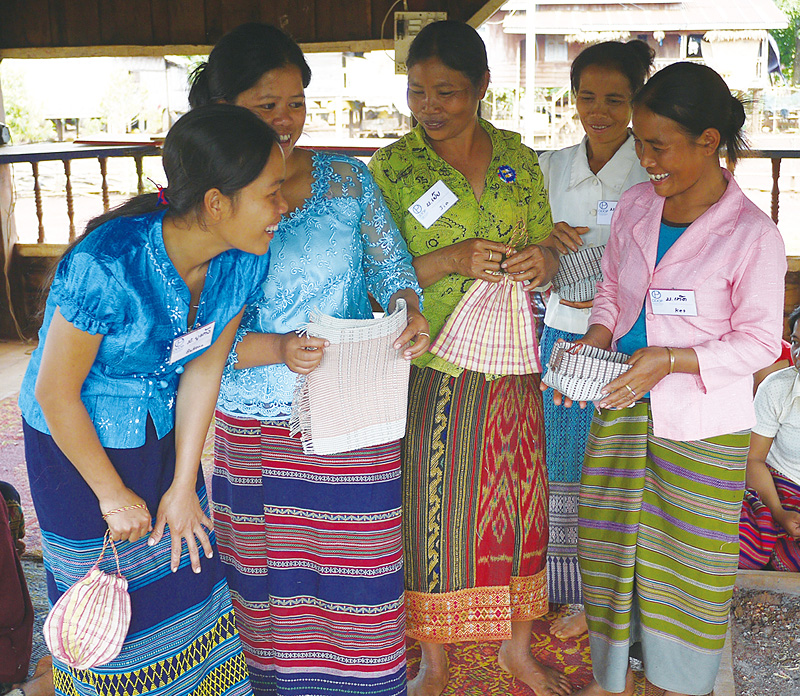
(474, 506)
(182, 637)
(658, 548)
(313, 553)
(762, 541)
(566, 431)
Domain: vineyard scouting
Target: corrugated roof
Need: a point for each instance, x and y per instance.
(562, 17)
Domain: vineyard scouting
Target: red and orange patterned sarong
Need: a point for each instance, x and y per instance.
(474, 506)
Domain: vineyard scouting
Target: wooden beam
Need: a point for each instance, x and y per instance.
(487, 11)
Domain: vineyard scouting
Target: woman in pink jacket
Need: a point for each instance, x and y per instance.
(693, 290)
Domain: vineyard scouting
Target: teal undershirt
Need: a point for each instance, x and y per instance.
(636, 338)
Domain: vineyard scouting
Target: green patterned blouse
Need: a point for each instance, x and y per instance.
(514, 195)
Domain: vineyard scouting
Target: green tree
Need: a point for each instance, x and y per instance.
(24, 114)
(787, 39)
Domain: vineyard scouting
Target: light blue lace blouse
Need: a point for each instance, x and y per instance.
(328, 255)
(120, 282)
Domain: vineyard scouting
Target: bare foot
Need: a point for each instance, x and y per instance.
(41, 683)
(543, 680)
(594, 689)
(572, 626)
(433, 672)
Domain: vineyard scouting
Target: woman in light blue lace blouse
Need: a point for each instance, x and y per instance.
(118, 397)
(312, 544)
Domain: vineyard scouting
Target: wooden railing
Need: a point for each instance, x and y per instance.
(66, 152)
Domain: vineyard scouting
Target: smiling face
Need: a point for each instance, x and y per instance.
(443, 100)
(603, 101)
(279, 99)
(254, 212)
(676, 162)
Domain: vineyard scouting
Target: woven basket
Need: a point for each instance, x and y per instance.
(88, 624)
(580, 372)
(578, 274)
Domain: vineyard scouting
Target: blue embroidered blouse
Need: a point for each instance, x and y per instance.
(120, 282)
(340, 245)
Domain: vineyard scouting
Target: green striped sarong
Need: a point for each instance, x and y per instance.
(658, 546)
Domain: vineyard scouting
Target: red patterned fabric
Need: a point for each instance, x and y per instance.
(761, 540)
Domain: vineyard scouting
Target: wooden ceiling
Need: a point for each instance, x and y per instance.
(45, 28)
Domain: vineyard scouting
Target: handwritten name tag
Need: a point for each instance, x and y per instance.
(191, 343)
(674, 302)
(605, 209)
(432, 204)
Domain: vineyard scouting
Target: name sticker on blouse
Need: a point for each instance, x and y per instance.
(432, 204)
(192, 342)
(605, 209)
(674, 302)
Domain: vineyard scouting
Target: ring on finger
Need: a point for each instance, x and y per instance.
(423, 333)
(491, 254)
(632, 392)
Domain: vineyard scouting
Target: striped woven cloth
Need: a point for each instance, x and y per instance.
(491, 330)
(357, 395)
(761, 540)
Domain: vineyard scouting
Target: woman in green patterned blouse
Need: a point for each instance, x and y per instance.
(474, 481)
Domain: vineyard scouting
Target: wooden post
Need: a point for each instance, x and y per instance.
(139, 173)
(37, 196)
(104, 181)
(70, 202)
(776, 191)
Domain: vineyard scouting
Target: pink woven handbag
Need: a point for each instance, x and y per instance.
(88, 624)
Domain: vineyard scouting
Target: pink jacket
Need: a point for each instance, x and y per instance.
(734, 260)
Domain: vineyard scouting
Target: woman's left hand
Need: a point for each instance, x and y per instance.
(535, 263)
(648, 367)
(180, 509)
(417, 331)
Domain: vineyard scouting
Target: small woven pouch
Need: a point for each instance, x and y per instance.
(491, 330)
(88, 624)
(579, 371)
(578, 274)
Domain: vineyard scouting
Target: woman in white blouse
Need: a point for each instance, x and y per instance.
(584, 183)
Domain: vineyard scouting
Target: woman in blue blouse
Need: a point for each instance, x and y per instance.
(311, 544)
(119, 394)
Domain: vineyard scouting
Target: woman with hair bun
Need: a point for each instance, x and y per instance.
(118, 396)
(693, 290)
(474, 481)
(311, 543)
(584, 183)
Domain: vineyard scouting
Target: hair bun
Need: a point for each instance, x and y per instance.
(642, 52)
(738, 116)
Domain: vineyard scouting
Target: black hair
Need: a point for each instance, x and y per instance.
(633, 59)
(219, 146)
(696, 98)
(239, 60)
(456, 44)
(794, 315)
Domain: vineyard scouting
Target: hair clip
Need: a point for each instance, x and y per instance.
(162, 197)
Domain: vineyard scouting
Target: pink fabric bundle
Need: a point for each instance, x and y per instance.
(88, 624)
(357, 396)
(491, 330)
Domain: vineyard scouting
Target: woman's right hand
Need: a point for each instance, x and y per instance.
(566, 238)
(477, 258)
(789, 520)
(301, 354)
(127, 525)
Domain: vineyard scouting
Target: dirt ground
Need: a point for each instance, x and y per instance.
(766, 643)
